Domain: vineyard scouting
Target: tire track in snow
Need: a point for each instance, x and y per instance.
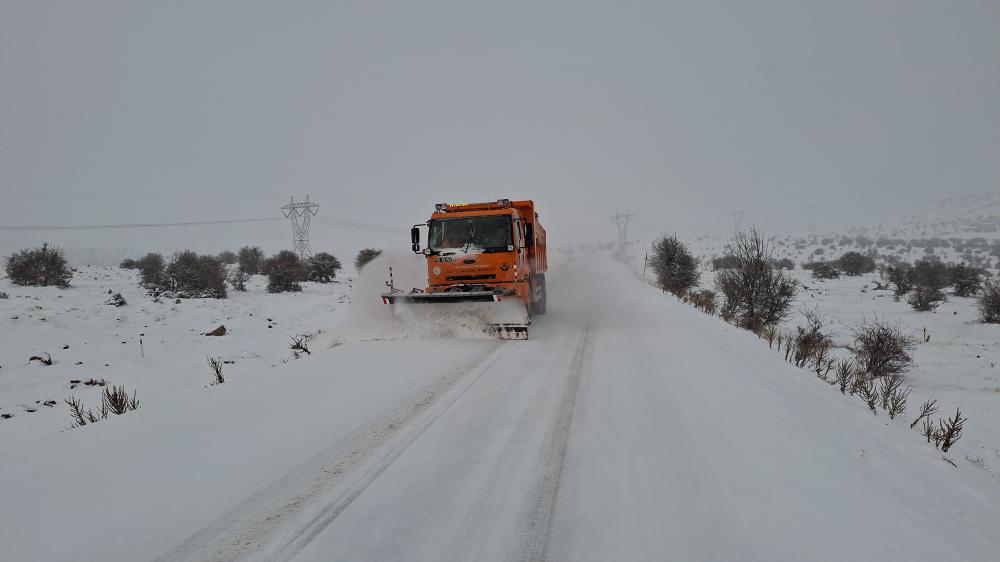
(473, 541)
(246, 529)
(320, 520)
(533, 539)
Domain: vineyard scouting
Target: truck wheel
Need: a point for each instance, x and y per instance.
(539, 295)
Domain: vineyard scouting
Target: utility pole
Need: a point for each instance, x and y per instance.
(737, 220)
(622, 220)
(300, 215)
(811, 215)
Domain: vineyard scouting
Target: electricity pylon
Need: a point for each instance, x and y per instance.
(300, 214)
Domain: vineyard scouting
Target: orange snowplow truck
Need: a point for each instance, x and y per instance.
(486, 260)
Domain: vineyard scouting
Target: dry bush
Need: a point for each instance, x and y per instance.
(933, 274)
(117, 401)
(300, 344)
(114, 400)
(81, 416)
(925, 299)
(989, 304)
(228, 257)
(881, 348)
(704, 300)
(191, 275)
(823, 270)
(216, 366)
(675, 268)
(949, 431)
(927, 409)
(755, 294)
(251, 259)
(901, 277)
(238, 279)
(284, 272)
(865, 388)
(152, 270)
(810, 340)
(893, 395)
(967, 280)
(846, 371)
(365, 256)
(322, 267)
(39, 267)
(855, 263)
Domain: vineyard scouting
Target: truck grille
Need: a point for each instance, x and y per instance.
(471, 277)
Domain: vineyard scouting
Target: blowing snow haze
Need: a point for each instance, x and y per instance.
(117, 112)
(186, 376)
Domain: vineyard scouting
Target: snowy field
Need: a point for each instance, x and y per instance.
(630, 427)
(90, 340)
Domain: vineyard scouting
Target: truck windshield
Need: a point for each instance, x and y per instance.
(490, 233)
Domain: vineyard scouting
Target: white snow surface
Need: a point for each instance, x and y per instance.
(630, 427)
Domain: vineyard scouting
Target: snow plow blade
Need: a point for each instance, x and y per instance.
(504, 317)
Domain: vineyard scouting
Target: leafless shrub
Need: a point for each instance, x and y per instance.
(284, 272)
(865, 385)
(901, 277)
(81, 416)
(789, 339)
(989, 304)
(930, 432)
(950, 430)
(114, 400)
(846, 370)
(823, 270)
(40, 267)
(755, 293)
(856, 263)
(216, 366)
(300, 344)
(322, 267)
(365, 256)
(932, 274)
(675, 268)
(769, 333)
(117, 401)
(811, 344)
(704, 300)
(893, 395)
(823, 363)
(881, 348)
(925, 298)
(251, 259)
(966, 279)
(927, 409)
(238, 278)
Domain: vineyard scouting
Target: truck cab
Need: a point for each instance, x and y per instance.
(497, 246)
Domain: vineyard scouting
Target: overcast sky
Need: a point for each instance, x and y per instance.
(124, 111)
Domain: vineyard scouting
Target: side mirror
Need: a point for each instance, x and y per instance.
(529, 235)
(415, 239)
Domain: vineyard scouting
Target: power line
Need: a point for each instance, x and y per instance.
(330, 221)
(130, 225)
(357, 225)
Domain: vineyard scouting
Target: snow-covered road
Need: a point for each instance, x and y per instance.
(630, 427)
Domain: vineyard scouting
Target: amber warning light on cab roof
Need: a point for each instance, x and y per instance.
(443, 207)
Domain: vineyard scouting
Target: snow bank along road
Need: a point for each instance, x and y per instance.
(630, 427)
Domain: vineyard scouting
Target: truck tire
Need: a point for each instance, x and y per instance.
(539, 295)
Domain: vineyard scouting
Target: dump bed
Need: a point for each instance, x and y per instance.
(536, 251)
